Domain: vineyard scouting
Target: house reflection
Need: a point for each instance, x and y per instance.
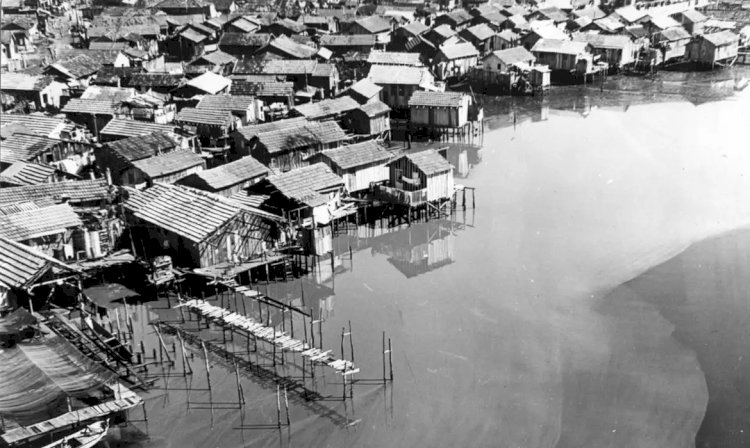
(420, 248)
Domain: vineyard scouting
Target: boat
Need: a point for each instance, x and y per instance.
(86, 437)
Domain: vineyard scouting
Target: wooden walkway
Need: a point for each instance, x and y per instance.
(282, 340)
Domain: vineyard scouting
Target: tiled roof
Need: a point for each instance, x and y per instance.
(514, 55)
(261, 89)
(393, 74)
(559, 46)
(359, 154)
(169, 163)
(394, 58)
(24, 173)
(22, 147)
(374, 24)
(327, 107)
(187, 212)
(436, 99)
(249, 200)
(79, 66)
(44, 221)
(22, 265)
(217, 58)
(75, 191)
(229, 103)
(210, 83)
(302, 136)
(306, 183)
(429, 162)
(245, 40)
(83, 106)
(132, 128)
(143, 146)
(375, 108)
(365, 88)
(190, 115)
(460, 50)
(38, 124)
(349, 40)
(229, 174)
(155, 80)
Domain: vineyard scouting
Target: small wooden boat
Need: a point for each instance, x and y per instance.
(87, 437)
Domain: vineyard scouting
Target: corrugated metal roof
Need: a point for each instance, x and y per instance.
(304, 135)
(75, 191)
(460, 50)
(23, 173)
(429, 162)
(292, 48)
(514, 55)
(44, 221)
(169, 163)
(366, 88)
(394, 58)
(479, 32)
(327, 107)
(190, 213)
(436, 99)
(360, 154)
(394, 74)
(217, 58)
(143, 146)
(132, 128)
(190, 115)
(305, 184)
(84, 106)
(348, 40)
(22, 265)
(722, 38)
(559, 46)
(228, 103)
(229, 174)
(210, 83)
(603, 40)
(374, 24)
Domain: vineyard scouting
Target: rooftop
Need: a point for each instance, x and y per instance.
(360, 154)
(394, 58)
(22, 265)
(302, 135)
(559, 46)
(245, 39)
(23, 147)
(722, 38)
(327, 107)
(292, 48)
(514, 55)
(155, 80)
(349, 40)
(24, 173)
(306, 183)
(143, 146)
(437, 99)
(169, 163)
(37, 223)
(74, 191)
(365, 88)
(228, 103)
(393, 74)
(192, 115)
(131, 128)
(429, 162)
(228, 175)
(375, 108)
(374, 24)
(210, 83)
(460, 50)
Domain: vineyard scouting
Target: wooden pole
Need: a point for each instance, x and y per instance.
(240, 397)
(390, 357)
(278, 406)
(286, 406)
(384, 351)
(351, 342)
(161, 343)
(185, 364)
(208, 367)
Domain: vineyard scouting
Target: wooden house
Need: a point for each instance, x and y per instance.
(168, 168)
(394, 58)
(328, 109)
(484, 38)
(630, 15)
(158, 82)
(439, 109)
(541, 31)
(278, 97)
(617, 51)
(671, 43)
(30, 173)
(149, 106)
(457, 19)
(303, 73)
(229, 178)
(364, 91)
(41, 92)
(374, 24)
(372, 119)
(187, 7)
(439, 34)
(216, 61)
(197, 228)
(552, 14)
(399, 83)
(507, 39)
(211, 126)
(287, 27)
(243, 44)
(403, 34)
(503, 61)
(48, 229)
(564, 55)
(283, 47)
(285, 145)
(119, 157)
(340, 43)
(307, 197)
(242, 24)
(455, 60)
(418, 178)
(360, 165)
(606, 25)
(245, 107)
(713, 49)
(692, 20)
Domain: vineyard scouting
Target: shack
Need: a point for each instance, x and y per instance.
(48, 229)
(371, 119)
(229, 178)
(564, 55)
(455, 60)
(399, 83)
(417, 179)
(360, 165)
(196, 228)
(212, 127)
(245, 107)
(616, 51)
(671, 44)
(714, 49)
(439, 109)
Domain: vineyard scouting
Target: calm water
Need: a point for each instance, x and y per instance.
(539, 319)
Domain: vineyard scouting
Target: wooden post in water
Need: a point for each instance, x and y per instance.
(351, 341)
(390, 358)
(384, 352)
(278, 407)
(162, 346)
(208, 366)
(240, 395)
(286, 406)
(185, 364)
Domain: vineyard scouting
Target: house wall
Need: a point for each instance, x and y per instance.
(558, 61)
(704, 52)
(396, 96)
(404, 167)
(236, 240)
(451, 117)
(174, 177)
(440, 186)
(360, 178)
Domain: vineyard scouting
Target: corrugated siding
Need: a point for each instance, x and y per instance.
(361, 179)
(439, 186)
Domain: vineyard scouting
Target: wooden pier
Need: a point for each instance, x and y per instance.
(281, 340)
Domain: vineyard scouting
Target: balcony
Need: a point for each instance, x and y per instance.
(398, 196)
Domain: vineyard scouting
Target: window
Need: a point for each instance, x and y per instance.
(499, 66)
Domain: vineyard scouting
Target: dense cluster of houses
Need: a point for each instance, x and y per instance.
(217, 132)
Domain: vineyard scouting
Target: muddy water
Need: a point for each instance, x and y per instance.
(505, 332)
